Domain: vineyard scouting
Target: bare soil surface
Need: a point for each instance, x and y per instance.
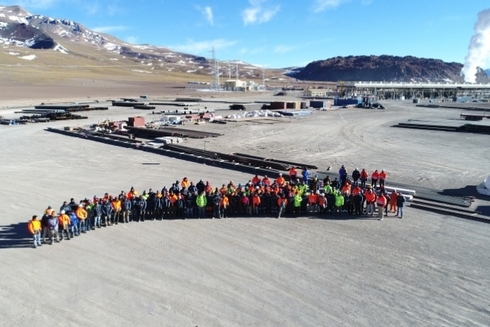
(423, 270)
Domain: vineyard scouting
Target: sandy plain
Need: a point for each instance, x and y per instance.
(424, 270)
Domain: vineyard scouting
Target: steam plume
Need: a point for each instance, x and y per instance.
(479, 48)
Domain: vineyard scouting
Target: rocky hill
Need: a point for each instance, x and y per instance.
(53, 42)
(385, 68)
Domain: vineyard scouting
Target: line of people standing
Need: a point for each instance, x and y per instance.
(258, 197)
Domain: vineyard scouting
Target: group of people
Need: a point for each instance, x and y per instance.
(293, 195)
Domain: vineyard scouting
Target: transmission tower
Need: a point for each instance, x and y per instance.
(215, 85)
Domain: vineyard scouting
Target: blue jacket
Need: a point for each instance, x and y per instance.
(107, 208)
(126, 205)
(73, 219)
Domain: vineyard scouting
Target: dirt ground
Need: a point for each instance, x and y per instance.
(423, 270)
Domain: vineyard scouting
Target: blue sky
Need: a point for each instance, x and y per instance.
(277, 33)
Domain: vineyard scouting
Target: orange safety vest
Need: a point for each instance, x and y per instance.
(346, 188)
(381, 201)
(255, 180)
(370, 197)
(375, 175)
(280, 200)
(280, 180)
(224, 202)
(292, 172)
(312, 198)
(255, 200)
(382, 175)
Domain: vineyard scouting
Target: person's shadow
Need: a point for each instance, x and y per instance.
(15, 236)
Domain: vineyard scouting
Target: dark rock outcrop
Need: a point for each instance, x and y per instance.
(385, 68)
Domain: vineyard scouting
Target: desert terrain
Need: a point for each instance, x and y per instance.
(423, 270)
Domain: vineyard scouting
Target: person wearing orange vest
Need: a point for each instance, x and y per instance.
(312, 202)
(223, 206)
(184, 183)
(382, 178)
(223, 190)
(293, 174)
(34, 227)
(63, 223)
(322, 203)
(280, 180)
(363, 177)
(282, 202)
(266, 181)
(256, 180)
(370, 200)
(255, 204)
(381, 203)
(374, 178)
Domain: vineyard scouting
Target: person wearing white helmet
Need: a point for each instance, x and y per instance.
(63, 224)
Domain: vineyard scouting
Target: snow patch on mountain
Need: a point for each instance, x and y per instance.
(61, 49)
(29, 57)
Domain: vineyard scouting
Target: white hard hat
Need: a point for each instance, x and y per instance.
(62, 212)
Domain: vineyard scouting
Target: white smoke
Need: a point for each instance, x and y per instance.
(479, 48)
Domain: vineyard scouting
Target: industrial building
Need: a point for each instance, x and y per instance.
(401, 91)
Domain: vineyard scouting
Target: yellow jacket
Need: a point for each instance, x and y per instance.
(81, 213)
(34, 226)
(64, 220)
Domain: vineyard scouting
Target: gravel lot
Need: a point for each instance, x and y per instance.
(424, 270)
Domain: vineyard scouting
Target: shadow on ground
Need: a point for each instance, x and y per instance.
(467, 191)
(15, 236)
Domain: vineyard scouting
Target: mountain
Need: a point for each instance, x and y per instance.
(70, 47)
(488, 72)
(385, 68)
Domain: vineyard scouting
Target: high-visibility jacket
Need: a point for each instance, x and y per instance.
(185, 183)
(280, 180)
(266, 181)
(322, 201)
(393, 197)
(172, 198)
(356, 190)
(364, 174)
(297, 200)
(370, 197)
(382, 175)
(201, 201)
(34, 226)
(63, 221)
(223, 191)
(224, 202)
(312, 198)
(346, 188)
(208, 188)
(381, 201)
(339, 199)
(255, 180)
(255, 200)
(375, 175)
(328, 189)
